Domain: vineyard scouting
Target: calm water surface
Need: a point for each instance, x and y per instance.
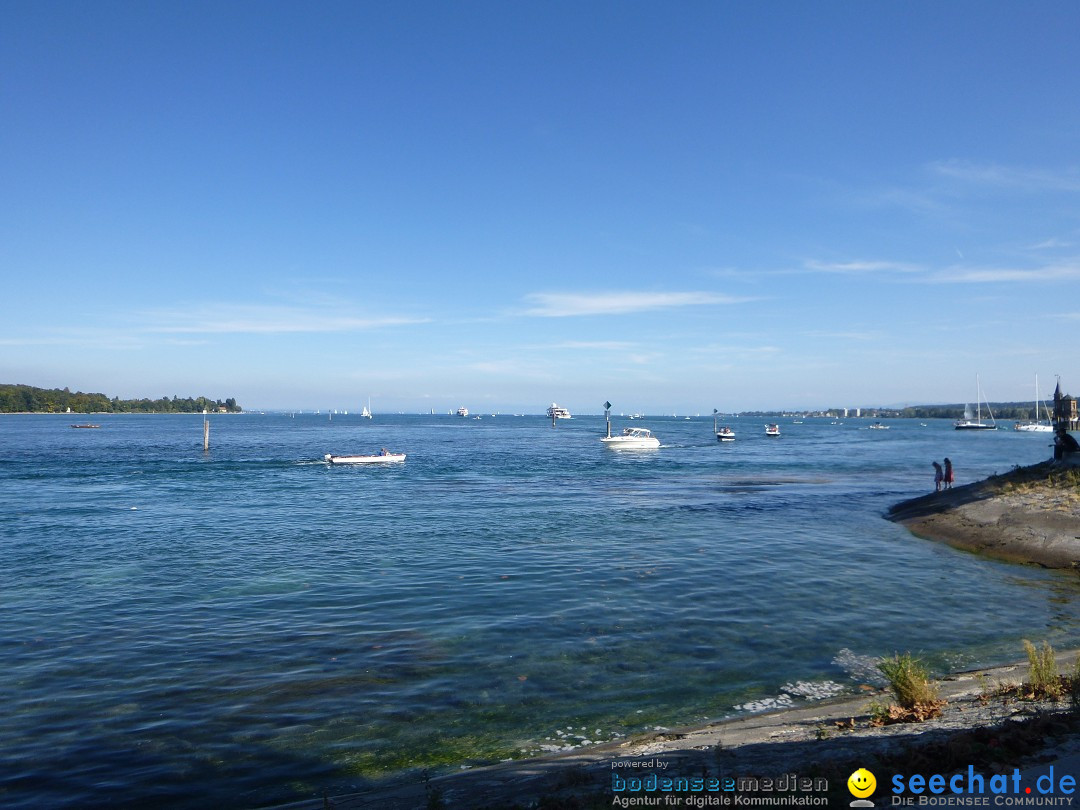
(252, 625)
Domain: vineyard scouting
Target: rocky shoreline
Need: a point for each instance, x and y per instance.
(1029, 515)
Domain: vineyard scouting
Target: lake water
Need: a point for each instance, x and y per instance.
(251, 625)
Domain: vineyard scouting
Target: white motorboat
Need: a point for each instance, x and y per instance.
(557, 412)
(632, 439)
(382, 457)
(723, 434)
(462, 411)
(878, 426)
(772, 430)
(977, 424)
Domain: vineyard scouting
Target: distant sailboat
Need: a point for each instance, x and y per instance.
(978, 424)
(366, 413)
(1037, 426)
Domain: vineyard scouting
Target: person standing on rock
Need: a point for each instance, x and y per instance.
(948, 474)
(939, 476)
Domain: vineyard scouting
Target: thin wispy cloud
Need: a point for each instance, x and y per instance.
(1009, 177)
(968, 275)
(589, 345)
(955, 274)
(508, 368)
(863, 267)
(644, 359)
(948, 181)
(104, 339)
(564, 305)
(736, 350)
(860, 336)
(1052, 244)
(256, 319)
(918, 201)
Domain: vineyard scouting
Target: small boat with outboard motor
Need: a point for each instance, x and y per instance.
(384, 456)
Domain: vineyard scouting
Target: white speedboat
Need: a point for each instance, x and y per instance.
(878, 426)
(723, 434)
(383, 457)
(557, 412)
(632, 439)
(462, 411)
(772, 430)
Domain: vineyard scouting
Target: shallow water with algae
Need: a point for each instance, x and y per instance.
(252, 625)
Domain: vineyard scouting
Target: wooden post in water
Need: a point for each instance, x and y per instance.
(205, 432)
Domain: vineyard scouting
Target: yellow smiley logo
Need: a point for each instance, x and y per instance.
(861, 783)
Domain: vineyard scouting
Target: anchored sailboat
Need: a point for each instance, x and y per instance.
(978, 424)
(1037, 426)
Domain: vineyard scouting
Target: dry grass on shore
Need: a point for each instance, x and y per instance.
(916, 694)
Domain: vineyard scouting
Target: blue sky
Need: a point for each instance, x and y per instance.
(673, 206)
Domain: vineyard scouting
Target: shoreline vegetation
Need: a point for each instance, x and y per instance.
(1022, 715)
(28, 399)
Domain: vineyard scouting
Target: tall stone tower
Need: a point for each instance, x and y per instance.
(1065, 413)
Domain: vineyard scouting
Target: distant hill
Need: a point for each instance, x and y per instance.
(28, 399)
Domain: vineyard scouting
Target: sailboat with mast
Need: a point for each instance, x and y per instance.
(1037, 426)
(978, 424)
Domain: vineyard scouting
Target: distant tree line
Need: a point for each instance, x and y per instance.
(26, 398)
(1001, 410)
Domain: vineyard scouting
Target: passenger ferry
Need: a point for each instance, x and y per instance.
(557, 412)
